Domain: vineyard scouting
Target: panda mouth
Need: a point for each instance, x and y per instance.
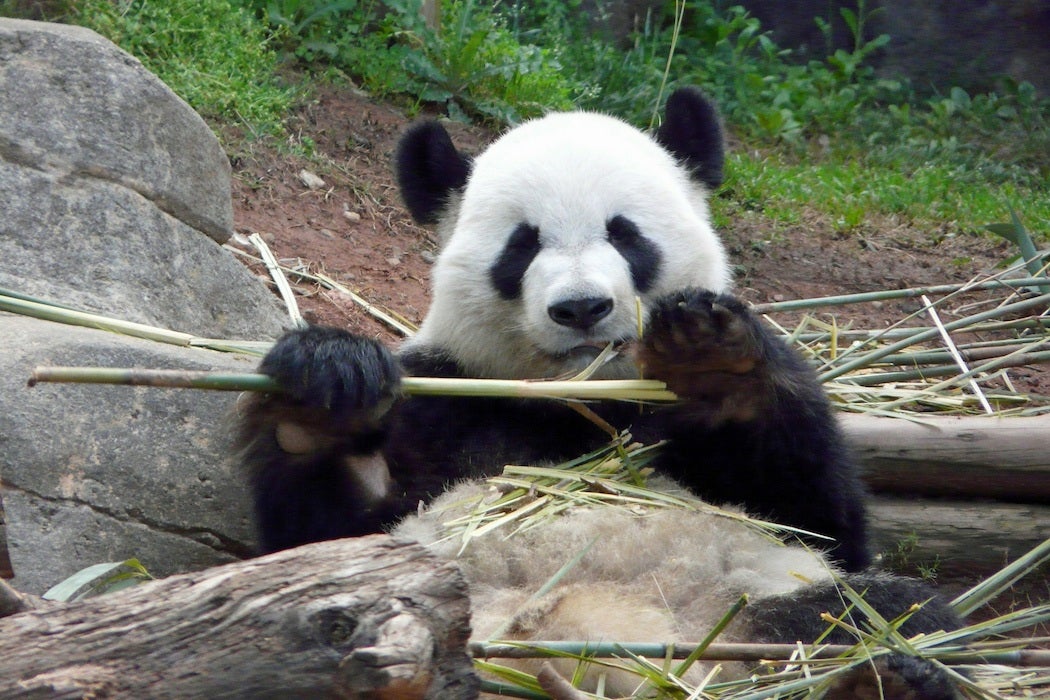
(590, 350)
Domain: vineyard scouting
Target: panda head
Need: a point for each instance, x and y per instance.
(553, 232)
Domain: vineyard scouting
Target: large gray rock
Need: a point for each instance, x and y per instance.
(78, 106)
(102, 473)
(115, 194)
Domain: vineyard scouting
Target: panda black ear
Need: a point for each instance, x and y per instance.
(692, 132)
(429, 168)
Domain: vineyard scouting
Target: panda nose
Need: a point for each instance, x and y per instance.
(580, 313)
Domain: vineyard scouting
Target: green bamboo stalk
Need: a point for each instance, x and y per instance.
(886, 294)
(50, 312)
(946, 370)
(867, 358)
(45, 310)
(706, 642)
(171, 379)
(1027, 323)
(993, 365)
(4, 292)
(730, 651)
(987, 589)
(970, 352)
(624, 389)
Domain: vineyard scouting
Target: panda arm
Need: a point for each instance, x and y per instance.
(339, 454)
(755, 427)
(313, 453)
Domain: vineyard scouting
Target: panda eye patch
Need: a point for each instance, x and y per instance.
(509, 269)
(641, 254)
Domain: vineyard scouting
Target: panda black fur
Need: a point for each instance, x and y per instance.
(548, 238)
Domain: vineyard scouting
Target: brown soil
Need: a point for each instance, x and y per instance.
(354, 229)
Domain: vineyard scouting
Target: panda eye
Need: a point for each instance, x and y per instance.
(525, 238)
(622, 230)
(641, 254)
(509, 269)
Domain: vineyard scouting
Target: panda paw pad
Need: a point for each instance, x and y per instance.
(696, 332)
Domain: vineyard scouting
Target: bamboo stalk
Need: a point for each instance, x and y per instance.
(729, 651)
(1026, 323)
(50, 312)
(274, 268)
(930, 371)
(330, 284)
(867, 358)
(885, 294)
(624, 389)
(956, 355)
(59, 313)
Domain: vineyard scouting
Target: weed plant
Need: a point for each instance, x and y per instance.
(472, 64)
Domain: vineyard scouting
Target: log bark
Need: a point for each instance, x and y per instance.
(364, 618)
(960, 537)
(970, 457)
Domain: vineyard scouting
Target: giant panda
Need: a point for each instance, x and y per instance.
(555, 240)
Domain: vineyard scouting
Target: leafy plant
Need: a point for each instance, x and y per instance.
(310, 25)
(1016, 233)
(99, 579)
(477, 65)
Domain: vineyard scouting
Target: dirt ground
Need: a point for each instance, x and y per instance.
(354, 229)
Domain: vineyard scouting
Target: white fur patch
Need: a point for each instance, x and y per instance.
(371, 473)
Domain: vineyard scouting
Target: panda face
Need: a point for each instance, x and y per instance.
(565, 231)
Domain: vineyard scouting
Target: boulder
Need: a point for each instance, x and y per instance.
(116, 199)
(116, 193)
(98, 473)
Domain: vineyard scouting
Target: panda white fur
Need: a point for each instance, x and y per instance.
(548, 239)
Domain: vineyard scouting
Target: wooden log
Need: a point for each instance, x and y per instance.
(364, 618)
(960, 537)
(977, 457)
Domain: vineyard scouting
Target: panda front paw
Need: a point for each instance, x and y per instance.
(702, 344)
(335, 371)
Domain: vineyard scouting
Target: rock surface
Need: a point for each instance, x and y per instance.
(115, 198)
(103, 473)
(116, 194)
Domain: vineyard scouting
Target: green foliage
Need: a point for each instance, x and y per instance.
(474, 65)
(212, 53)
(99, 579)
(1016, 233)
(823, 132)
(902, 560)
(477, 64)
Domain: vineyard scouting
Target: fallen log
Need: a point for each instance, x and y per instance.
(1006, 459)
(961, 537)
(365, 618)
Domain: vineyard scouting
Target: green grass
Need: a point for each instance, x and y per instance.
(850, 191)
